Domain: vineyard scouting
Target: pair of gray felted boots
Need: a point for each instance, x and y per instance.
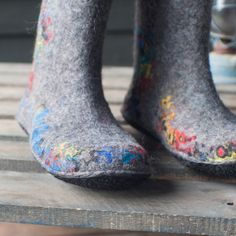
(72, 131)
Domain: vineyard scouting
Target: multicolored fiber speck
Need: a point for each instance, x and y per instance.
(66, 159)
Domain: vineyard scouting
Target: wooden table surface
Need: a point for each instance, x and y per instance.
(175, 200)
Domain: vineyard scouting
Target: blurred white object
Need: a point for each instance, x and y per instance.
(223, 37)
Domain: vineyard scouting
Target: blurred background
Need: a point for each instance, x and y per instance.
(18, 20)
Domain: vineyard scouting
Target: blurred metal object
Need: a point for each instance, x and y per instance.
(224, 20)
(223, 40)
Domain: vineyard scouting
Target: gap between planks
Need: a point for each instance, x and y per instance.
(10, 98)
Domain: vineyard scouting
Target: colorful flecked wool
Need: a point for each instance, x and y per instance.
(72, 132)
(172, 96)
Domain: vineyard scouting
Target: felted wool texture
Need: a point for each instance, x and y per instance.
(72, 131)
(172, 96)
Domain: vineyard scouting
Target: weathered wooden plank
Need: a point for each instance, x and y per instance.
(16, 156)
(226, 88)
(9, 129)
(117, 77)
(113, 96)
(8, 229)
(11, 93)
(14, 68)
(109, 72)
(11, 150)
(17, 75)
(24, 68)
(8, 110)
(158, 206)
(13, 80)
(229, 99)
(113, 78)
(16, 93)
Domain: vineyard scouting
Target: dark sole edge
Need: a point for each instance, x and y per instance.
(211, 170)
(108, 182)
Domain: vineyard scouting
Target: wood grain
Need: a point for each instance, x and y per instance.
(160, 206)
(176, 199)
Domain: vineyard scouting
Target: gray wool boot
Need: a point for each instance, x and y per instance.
(172, 96)
(72, 132)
